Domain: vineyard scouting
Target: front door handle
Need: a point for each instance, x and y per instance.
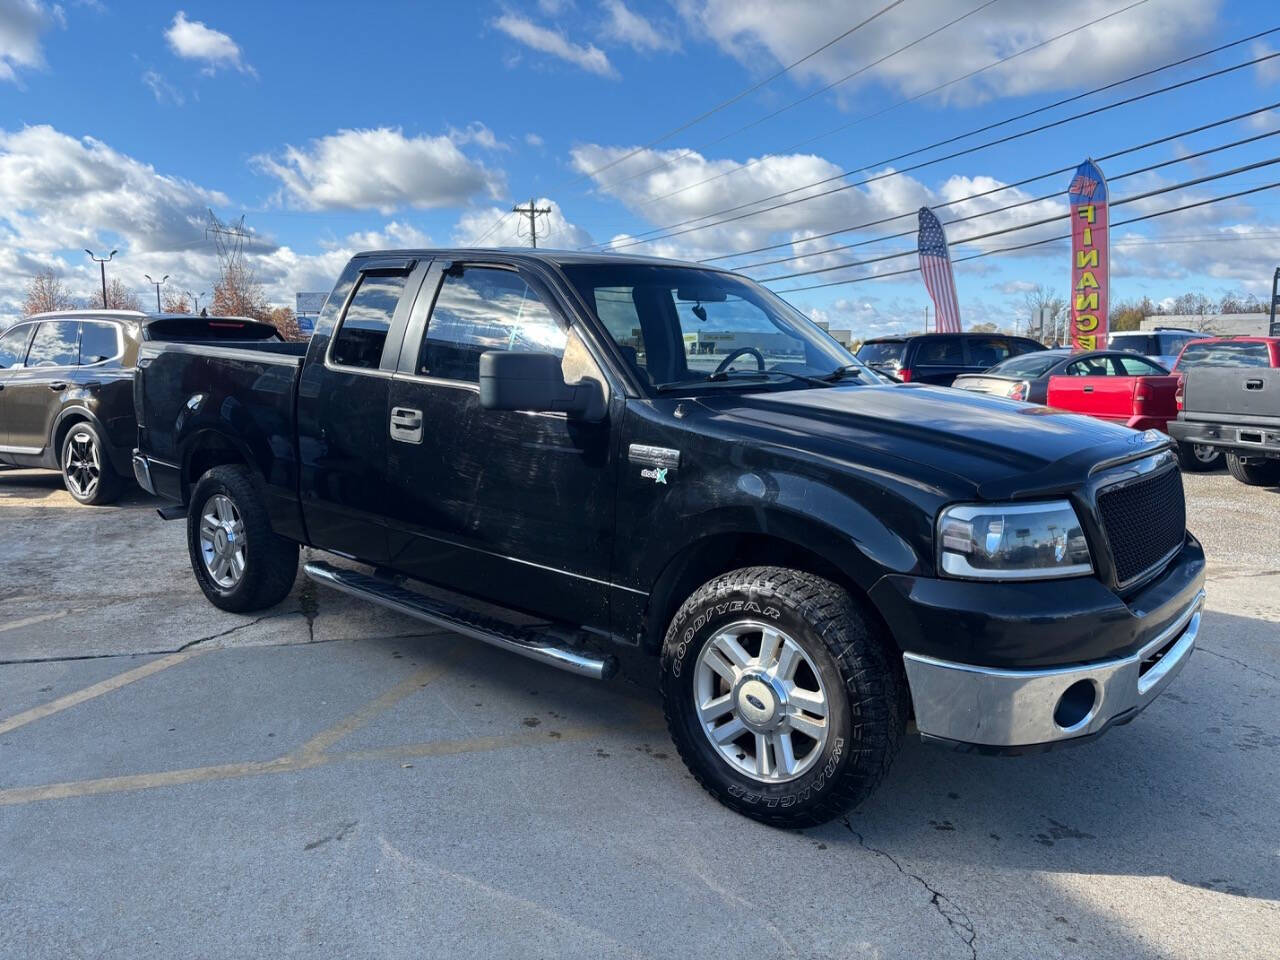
(406, 425)
(58, 385)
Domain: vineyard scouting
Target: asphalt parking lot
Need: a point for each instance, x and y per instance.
(330, 780)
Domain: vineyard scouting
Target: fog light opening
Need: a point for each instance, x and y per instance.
(1076, 705)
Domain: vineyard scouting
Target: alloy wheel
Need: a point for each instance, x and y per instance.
(222, 541)
(1204, 453)
(761, 702)
(82, 464)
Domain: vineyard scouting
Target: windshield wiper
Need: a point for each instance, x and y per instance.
(726, 375)
(838, 374)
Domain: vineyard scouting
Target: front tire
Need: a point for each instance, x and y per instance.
(782, 696)
(240, 563)
(1255, 473)
(1197, 457)
(86, 466)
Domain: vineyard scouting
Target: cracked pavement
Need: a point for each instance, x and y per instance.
(329, 779)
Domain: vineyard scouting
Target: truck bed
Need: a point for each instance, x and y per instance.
(244, 392)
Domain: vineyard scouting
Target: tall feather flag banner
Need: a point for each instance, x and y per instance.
(935, 267)
(1090, 257)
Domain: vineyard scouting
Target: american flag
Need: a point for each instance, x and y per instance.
(935, 266)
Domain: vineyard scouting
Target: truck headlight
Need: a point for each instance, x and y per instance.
(1012, 541)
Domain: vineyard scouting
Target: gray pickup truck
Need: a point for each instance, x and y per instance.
(1230, 400)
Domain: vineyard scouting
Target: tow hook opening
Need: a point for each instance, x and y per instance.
(1076, 705)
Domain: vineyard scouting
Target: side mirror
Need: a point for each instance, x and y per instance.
(534, 383)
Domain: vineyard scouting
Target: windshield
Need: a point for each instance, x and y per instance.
(1225, 353)
(1027, 364)
(882, 352)
(685, 327)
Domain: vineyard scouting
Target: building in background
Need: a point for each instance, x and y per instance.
(1213, 324)
(307, 308)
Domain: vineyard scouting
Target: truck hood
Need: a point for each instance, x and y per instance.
(997, 447)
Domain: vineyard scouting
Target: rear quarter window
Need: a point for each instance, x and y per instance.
(13, 346)
(885, 352)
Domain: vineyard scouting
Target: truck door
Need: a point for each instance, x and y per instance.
(515, 508)
(34, 394)
(342, 409)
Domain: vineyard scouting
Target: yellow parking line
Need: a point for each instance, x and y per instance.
(15, 796)
(97, 690)
(412, 684)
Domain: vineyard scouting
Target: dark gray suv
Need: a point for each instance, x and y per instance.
(66, 389)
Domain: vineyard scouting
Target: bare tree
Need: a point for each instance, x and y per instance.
(1241, 303)
(1040, 298)
(176, 302)
(120, 297)
(238, 293)
(46, 292)
(284, 320)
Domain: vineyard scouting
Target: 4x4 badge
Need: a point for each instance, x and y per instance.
(657, 474)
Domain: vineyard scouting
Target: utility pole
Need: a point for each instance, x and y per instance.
(1273, 329)
(156, 284)
(926, 318)
(102, 264)
(532, 213)
(196, 299)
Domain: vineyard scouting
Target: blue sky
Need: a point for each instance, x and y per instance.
(409, 124)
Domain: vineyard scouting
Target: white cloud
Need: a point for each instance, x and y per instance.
(477, 133)
(193, 40)
(22, 22)
(380, 170)
(477, 228)
(752, 31)
(1268, 71)
(162, 89)
(545, 40)
(626, 26)
(533, 140)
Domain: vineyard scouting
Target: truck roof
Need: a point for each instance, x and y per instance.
(539, 255)
(138, 316)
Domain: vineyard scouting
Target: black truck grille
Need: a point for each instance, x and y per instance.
(1145, 521)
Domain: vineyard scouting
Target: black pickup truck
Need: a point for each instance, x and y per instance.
(667, 459)
(1229, 400)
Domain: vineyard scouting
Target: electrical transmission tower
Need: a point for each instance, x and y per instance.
(532, 213)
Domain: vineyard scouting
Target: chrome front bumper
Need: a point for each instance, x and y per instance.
(997, 708)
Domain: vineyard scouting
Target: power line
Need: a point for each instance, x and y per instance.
(1012, 206)
(895, 173)
(738, 96)
(1037, 243)
(942, 86)
(1008, 186)
(493, 227)
(1027, 226)
(795, 103)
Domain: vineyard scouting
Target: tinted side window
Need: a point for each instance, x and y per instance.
(942, 351)
(1136, 366)
(12, 347)
(363, 330)
(479, 309)
(97, 342)
(1091, 367)
(988, 351)
(55, 344)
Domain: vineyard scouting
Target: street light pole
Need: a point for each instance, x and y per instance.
(156, 284)
(102, 264)
(195, 297)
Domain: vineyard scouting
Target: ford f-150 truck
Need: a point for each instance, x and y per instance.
(655, 457)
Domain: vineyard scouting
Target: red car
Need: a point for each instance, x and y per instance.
(1121, 387)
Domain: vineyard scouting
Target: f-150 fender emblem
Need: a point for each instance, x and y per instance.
(663, 458)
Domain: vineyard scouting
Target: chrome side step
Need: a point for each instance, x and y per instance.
(528, 642)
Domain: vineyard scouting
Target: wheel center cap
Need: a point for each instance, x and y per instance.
(757, 703)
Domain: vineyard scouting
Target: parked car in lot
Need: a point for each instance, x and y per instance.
(1229, 401)
(939, 358)
(1128, 389)
(1021, 377)
(811, 554)
(66, 394)
(1162, 345)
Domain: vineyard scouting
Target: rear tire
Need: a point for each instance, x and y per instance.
(827, 735)
(240, 563)
(86, 466)
(1197, 458)
(1255, 473)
